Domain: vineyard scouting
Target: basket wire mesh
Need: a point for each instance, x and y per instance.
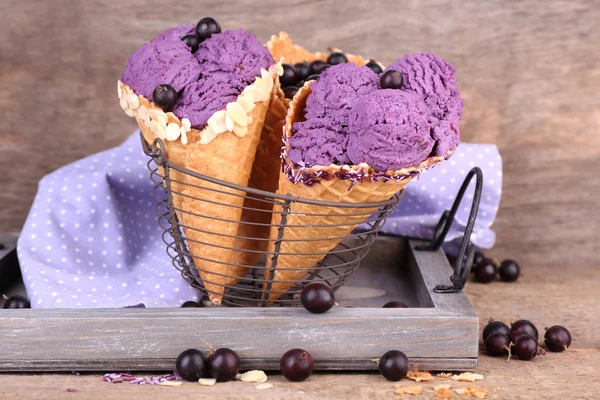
(333, 269)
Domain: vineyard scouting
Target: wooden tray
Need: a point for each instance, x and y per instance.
(438, 331)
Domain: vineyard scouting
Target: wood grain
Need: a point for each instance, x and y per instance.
(538, 296)
(442, 333)
(529, 74)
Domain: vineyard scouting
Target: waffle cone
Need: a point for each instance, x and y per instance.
(210, 213)
(308, 226)
(257, 211)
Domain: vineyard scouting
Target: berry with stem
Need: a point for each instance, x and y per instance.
(224, 364)
(296, 365)
(393, 365)
(497, 344)
(493, 327)
(557, 338)
(525, 326)
(191, 365)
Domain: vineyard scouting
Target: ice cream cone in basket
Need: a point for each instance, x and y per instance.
(305, 239)
(225, 149)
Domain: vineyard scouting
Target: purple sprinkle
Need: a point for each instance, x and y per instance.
(75, 373)
(129, 378)
(71, 390)
(118, 381)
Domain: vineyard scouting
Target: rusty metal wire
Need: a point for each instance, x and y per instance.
(333, 269)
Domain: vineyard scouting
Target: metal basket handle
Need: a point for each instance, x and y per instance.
(462, 265)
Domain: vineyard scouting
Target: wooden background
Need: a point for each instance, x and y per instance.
(529, 71)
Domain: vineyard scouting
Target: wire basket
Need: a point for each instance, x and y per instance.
(333, 269)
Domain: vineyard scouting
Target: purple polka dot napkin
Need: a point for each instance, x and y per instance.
(92, 240)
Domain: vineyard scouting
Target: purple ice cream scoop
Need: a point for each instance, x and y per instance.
(337, 90)
(228, 62)
(388, 129)
(321, 138)
(433, 79)
(215, 75)
(165, 61)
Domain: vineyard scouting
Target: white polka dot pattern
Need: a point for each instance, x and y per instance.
(426, 198)
(91, 238)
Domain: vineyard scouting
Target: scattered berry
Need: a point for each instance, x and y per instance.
(374, 67)
(393, 365)
(318, 66)
(395, 304)
(224, 364)
(557, 338)
(290, 91)
(497, 344)
(289, 76)
(317, 298)
(391, 79)
(17, 301)
(525, 326)
(516, 335)
(495, 327)
(312, 77)
(190, 304)
(526, 348)
(296, 365)
(486, 273)
(165, 97)
(191, 365)
(479, 258)
(192, 42)
(509, 271)
(337, 58)
(206, 28)
(302, 70)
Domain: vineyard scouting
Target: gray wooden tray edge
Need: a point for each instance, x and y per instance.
(441, 334)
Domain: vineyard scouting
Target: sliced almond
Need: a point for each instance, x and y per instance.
(229, 123)
(158, 129)
(419, 376)
(129, 112)
(207, 381)
(207, 136)
(240, 131)
(142, 114)
(264, 379)
(247, 102)
(253, 376)
(172, 131)
(217, 122)
(414, 390)
(186, 124)
(184, 138)
(123, 104)
(133, 101)
(262, 386)
(119, 89)
(441, 386)
(467, 377)
(171, 383)
(237, 113)
(159, 116)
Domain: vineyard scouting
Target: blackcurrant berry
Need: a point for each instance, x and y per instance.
(302, 70)
(337, 58)
(495, 327)
(393, 365)
(391, 79)
(374, 66)
(17, 301)
(318, 66)
(206, 28)
(317, 298)
(224, 364)
(486, 273)
(290, 91)
(296, 365)
(192, 42)
(497, 344)
(525, 326)
(395, 304)
(191, 365)
(557, 338)
(190, 304)
(165, 97)
(526, 348)
(509, 271)
(289, 76)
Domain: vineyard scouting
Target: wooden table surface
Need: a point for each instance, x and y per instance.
(546, 297)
